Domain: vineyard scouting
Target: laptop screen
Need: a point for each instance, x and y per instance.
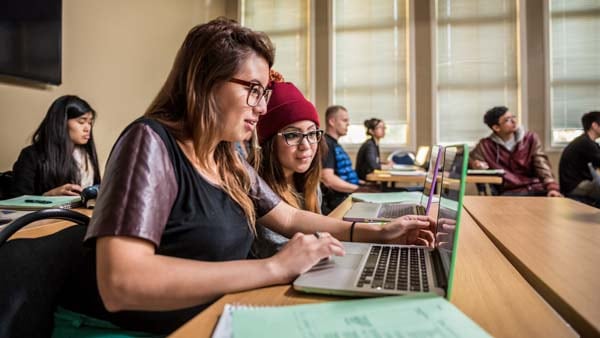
(421, 157)
(451, 195)
(430, 178)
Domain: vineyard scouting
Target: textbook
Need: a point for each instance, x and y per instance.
(35, 202)
(396, 316)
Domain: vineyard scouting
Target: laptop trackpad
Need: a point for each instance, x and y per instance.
(348, 261)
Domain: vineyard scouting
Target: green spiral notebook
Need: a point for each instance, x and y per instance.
(397, 316)
(35, 202)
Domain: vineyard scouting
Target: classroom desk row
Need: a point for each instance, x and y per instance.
(388, 177)
(512, 251)
(487, 288)
(555, 244)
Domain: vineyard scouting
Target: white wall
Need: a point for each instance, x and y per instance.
(116, 55)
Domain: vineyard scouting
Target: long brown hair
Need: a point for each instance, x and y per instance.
(271, 170)
(211, 54)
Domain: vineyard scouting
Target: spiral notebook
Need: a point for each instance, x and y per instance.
(396, 316)
(36, 202)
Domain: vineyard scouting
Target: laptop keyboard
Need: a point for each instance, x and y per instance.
(394, 210)
(395, 268)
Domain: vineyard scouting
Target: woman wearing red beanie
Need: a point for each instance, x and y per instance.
(290, 156)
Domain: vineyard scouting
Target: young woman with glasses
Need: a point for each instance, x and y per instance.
(290, 156)
(174, 223)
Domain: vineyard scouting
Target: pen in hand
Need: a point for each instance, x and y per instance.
(38, 201)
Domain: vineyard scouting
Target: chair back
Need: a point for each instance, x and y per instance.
(33, 272)
(594, 173)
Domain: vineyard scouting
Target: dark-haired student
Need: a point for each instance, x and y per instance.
(368, 157)
(518, 152)
(176, 218)
(576, 180)
(62, 158)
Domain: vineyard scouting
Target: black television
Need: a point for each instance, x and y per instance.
(30, 40)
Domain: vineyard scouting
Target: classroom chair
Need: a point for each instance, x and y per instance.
(34, 271)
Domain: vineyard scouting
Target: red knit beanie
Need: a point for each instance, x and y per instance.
(286, 105)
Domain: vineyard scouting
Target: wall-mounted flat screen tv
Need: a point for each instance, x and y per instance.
(30, 39)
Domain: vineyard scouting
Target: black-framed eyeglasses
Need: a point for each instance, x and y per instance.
(294, 138)
(255, 92)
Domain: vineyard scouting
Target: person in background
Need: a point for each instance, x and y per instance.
(338, 177)
(176, 218)
(368, 158)
(290, 161)
(62, 158)
(518, 152)
(576, 180)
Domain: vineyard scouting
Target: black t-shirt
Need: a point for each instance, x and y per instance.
(573, 162)
(151, 191)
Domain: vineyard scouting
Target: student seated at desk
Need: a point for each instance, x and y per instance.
(177, 214)
(518, 152)
(368, 158)
(62, 158)
(290, 148)
(576, 180)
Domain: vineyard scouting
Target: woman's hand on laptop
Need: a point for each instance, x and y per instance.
(410, 229)
(301, 253)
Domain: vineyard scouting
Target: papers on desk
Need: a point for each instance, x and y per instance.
(408, 173)
(399, 316)
(390, 197)
(34, 202)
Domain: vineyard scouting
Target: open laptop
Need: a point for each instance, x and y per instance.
(382, 212)
(420, 161)
(381, 269)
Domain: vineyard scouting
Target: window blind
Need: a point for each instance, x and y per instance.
(370, 79)
(574, 65)
(476, 65)
(287, 22)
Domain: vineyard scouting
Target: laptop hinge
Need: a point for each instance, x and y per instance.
(440, 274)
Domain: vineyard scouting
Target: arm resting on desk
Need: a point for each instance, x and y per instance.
(405, 230)
(131, 276)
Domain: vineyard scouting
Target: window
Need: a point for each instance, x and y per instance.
(574, 27)
(287, 22)
(476, 65)
(370, 66)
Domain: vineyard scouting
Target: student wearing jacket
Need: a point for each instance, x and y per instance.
(518, 152)
(62, 158)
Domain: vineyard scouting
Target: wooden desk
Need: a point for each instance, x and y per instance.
(555, 244)
(46, 227)
(487, 288)
(383, 176)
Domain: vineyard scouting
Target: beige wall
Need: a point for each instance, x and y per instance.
(115, 54)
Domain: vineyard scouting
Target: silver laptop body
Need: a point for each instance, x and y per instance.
(380, 269)
(382, 212)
